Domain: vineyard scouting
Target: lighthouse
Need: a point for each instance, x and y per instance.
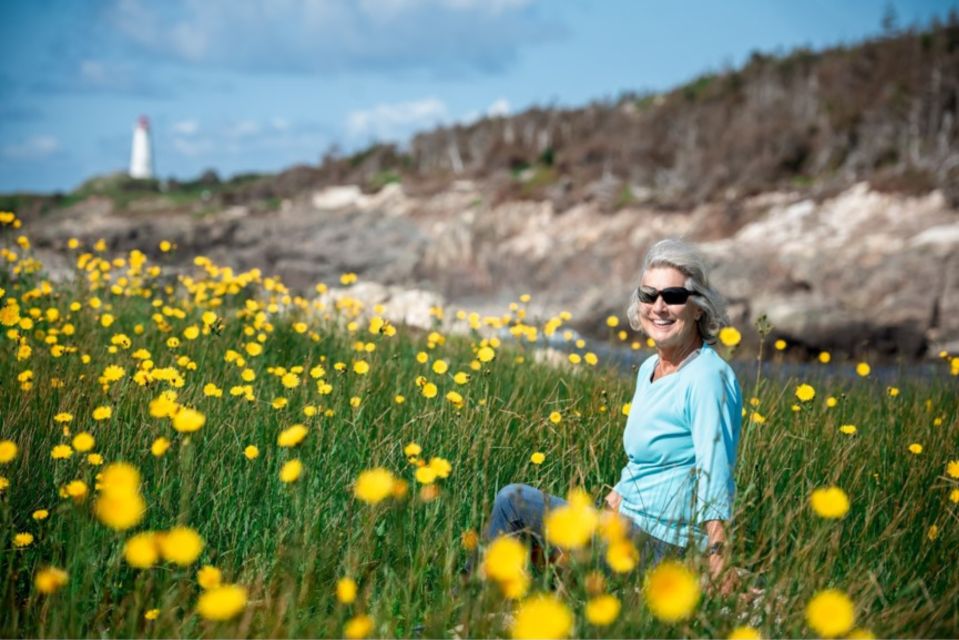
(141, 156)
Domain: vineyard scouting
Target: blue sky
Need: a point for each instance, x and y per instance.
(259, 85)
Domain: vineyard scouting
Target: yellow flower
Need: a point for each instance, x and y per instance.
(440, 367)
(954, 496)
(441, 467)
(730, 336)
(538, 457)
(425, 475)
(358, 627)
(555, 417)
(952, 468)
(831, 402)
(915, 448)
(412, 450)
(933, 532)
(159, 446)
(399, 399)
(61, 452)
(455, 399)
(863, 369)
(346, 590)
(469, 539)
(829, 502)
(50, 579)
(627, 407)
(848, 429)
(141, 551)
(461, 377)
(21, 540)
(591, 358)
(805, 392)
(63, 417)
(40, 514)
(830, 613)
(211, 390)
(485, 354)
(188, 420)
(181, 545)
(824, 357)
(222, 602)
(102, 413)
(574, 358)
(505, 560)
(861, 634)
(83, 442)
(374, 485)
(209, 577)
(8, 451)
(251, 452)
(602, 610)
(892, 391)
(542, 616)
(292, 436)
(429, 390)
(745, 633)
(291, 471)
(164, 405)
(151, 614)
(253, 348)
(572, 525)
(76, 489)
(779, 345)
(622, 556)
(671, 591)
(120, 511)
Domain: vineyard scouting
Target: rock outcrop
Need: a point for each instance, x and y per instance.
(861, 271)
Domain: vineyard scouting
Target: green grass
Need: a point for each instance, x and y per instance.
(288, 544)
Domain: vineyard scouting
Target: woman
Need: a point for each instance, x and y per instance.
(682, 432)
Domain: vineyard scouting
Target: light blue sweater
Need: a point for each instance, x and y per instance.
(681, 438)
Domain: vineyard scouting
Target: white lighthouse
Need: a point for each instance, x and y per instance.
(141, 156)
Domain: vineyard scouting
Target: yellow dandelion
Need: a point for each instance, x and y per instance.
(730, 336)
(824, 357)
(8, 451)
(779, 345)
(745, 633)
(188, 420)
(374, 485)
(830, 613)
(358, 627)
(915, 448)
(292, 436)
(848, 429)
(21, 540)
(572, 525)
(159, 446)
(542, 616)
(829, 502)
(40, 514)
(805, 392)
(141, 551)
(151, 614)
(933, 532)
(952, 469)
(83, 442)
(209, 577)
(346, 590)
(251, 451)
(538, 457)
(555, 417)
(602, 610)
(485, 354)
(222, 603)
(102, 413)
(291, 471)
(429, 390)
(671, 591)
(863, 369)
(61, 452)
(181, 545)
(49, 580)
(412, 450)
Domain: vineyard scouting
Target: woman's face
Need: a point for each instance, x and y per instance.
(671, 326)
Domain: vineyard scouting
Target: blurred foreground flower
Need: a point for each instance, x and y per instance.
(671, 591)
(830, 613)
(358, 627)
(542, 616)
(602, 610)
(50, 579)
(571, 526)
(222, 603)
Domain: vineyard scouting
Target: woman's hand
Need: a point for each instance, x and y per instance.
(721, 582)
(613, 500)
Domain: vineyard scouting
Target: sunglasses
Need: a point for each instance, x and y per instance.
(671, 295)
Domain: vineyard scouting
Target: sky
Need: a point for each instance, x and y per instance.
(261, 85)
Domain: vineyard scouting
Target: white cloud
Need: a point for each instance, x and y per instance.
(499, 108)
(396, 120)
(280, 124)
(34, 148)
(334, 35)
(243, 129)
(186, 127)
(194, 146)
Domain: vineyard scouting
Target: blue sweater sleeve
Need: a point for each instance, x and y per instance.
(714, 411)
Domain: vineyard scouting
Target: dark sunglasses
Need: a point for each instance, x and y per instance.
(671, 295)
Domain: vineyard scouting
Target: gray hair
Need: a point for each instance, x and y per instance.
(688, 260)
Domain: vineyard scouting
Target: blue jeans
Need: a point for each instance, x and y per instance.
(519, 508)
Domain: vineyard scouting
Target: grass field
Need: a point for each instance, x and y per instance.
(251, 361)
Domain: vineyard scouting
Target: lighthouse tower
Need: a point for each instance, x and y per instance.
(141, 157)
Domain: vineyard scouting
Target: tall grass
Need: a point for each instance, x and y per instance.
(288, 544)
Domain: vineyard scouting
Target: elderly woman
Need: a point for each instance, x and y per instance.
(682, 432)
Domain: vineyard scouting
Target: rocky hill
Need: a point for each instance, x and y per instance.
(824, 186)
